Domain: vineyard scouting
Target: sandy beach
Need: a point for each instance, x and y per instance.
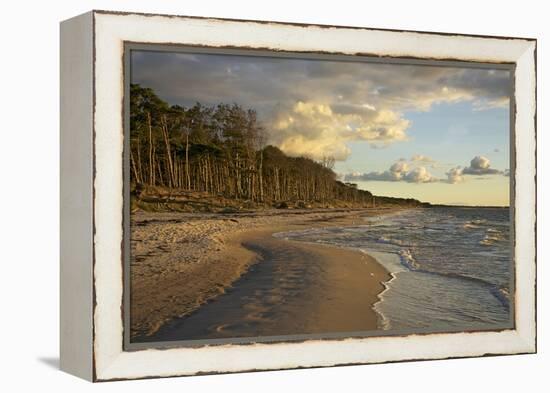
(200, 275)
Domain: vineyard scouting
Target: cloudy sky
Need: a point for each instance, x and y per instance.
(438, 134)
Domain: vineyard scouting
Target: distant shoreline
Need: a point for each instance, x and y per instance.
(182, 261)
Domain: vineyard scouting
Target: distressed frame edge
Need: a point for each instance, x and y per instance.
(305, 25)
(526, 137)
(76, 196)
(526, 339)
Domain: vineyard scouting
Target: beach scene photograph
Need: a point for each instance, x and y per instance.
(276, 197)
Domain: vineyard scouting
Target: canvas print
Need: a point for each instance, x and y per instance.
(281, 197)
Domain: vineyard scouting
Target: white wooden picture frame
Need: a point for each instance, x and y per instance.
(92, 127)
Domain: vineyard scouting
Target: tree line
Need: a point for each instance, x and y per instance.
(222, 150)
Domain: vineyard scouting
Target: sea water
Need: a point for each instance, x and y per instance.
(450, 266)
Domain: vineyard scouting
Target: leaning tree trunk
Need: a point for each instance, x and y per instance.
(151, 164)
(187, 174)
(164, 128)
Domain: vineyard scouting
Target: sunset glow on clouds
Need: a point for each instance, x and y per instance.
(317, 131)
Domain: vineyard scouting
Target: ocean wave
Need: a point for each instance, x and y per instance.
(408, 260)
(502, 293)
(474, 224)
(393, 241)
(464, 277)
(492, 236)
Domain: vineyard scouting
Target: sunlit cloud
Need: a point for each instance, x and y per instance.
(480, 165)
(403, 171)
(419, 175)
(455, 175)
(399, 171)
(315, 130)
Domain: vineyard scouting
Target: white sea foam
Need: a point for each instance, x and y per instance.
(491, 237)
(392, 264)
(474, 224)
(408, 260)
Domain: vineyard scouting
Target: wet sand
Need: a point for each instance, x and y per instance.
(251, 283)
(294, 288)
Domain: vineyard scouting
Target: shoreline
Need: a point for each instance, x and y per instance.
(181, 262)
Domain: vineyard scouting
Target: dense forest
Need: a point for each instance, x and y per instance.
(201, 152)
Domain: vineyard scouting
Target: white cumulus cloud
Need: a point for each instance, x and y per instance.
(480, 165)
(455, 175)
(399, 171)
